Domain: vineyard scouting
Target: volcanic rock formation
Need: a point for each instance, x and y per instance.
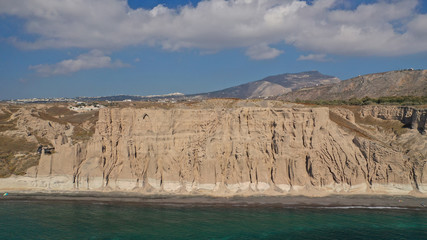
(227, 147)
(394, 83)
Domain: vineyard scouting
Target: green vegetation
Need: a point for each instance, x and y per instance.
(394, 126)
(42, 140)
(59, 110)
(80, 118)
(16, 155)
(84, 123)
(5, 122)
(368, 123)
(84, 104)
(348, 125)
(81, 134)
(48, 117)
(394, 100)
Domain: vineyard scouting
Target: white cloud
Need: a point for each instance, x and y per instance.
(314, 57)
(262, 51)
(382, 28)
(93, 59)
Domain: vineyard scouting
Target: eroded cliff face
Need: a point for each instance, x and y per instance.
(239, 150)
(411, 117)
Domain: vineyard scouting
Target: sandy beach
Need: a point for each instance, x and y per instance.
(332, 201)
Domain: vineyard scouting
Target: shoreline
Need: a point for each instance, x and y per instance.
(290, 201)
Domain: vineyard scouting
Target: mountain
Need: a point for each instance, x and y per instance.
(406, 82)
(273, 85)
(131, 97)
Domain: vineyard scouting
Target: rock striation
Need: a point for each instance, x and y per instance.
(237, 150)
(273, 86)
(411, 117)
(393, 83)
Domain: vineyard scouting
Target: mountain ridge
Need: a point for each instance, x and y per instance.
(306, 86)
(406, 82)
(273, 85)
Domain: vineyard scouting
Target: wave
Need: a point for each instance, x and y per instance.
(362, 207)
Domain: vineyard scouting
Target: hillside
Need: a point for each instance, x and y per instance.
(394, 83)
(273, 85)
(220, 147)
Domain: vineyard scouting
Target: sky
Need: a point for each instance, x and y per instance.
(56, 48)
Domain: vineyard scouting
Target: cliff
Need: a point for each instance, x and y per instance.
(225, 147)
(411, 117)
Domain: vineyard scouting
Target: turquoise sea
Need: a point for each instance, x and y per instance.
(89, 220)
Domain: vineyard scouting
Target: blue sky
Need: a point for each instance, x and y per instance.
(49, 48)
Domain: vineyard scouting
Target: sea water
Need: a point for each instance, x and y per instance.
(96, 220)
